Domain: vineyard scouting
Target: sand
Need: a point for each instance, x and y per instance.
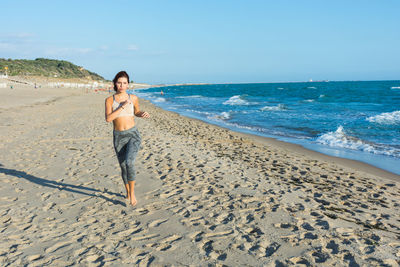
(206, 195)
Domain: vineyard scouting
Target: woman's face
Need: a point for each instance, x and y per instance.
(122, 84)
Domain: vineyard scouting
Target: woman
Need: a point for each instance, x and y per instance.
(121, 109)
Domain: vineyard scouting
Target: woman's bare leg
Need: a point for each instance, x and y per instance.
(128, 196)
(132, 193)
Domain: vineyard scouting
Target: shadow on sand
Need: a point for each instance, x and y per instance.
(78, 189)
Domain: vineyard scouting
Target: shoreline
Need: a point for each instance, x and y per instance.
(206, 195)
(349, 163)
(346, 162)
(366, 137)
(298, 148)
(29, 93)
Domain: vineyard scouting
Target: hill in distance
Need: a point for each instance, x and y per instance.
(50, 68)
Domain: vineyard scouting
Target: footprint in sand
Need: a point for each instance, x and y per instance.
(128, 232)
(196, 236)
(145, 237)
(206, 246)
(319, 257)
(271, 249)
(166, 243)
(171, 194)
(49, 206)
(218, 255)
(194, 221)
(57, 246)
(156, 223)
(34, 257)
(45, 196)
(94, 258)
(142, 211)
(300, 261)
(308, 235)
(223, 234)
(159, 247)
(324, 225)
(286, 226)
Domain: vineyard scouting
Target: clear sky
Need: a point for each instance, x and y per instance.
(219, 41)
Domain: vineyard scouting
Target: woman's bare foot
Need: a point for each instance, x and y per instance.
(131, 190)
(128, 195)
(133, 201)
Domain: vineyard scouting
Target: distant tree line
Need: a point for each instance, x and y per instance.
(46, 68)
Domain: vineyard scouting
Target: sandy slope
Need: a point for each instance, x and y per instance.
(205, 195)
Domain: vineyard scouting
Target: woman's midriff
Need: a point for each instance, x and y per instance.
(123, 123)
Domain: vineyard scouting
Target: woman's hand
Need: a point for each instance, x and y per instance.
(126, 102)
(144, 114)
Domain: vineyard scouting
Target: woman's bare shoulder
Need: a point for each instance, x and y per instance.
(109, 99)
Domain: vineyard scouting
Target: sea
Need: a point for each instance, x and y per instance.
(357, 120)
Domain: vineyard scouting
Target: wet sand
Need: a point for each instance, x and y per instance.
(206, 195)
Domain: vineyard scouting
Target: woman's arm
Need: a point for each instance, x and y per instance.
(138, 113)
(112, 115)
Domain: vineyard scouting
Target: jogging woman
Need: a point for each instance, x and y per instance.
(121, 109)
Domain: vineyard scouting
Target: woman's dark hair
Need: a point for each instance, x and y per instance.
(119, 75)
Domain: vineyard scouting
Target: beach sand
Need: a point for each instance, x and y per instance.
(206, 195)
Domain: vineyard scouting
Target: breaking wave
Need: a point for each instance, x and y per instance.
(386, 118)
(236, 100)
(274, 108)
(340, 139)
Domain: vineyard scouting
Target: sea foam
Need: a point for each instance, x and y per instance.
(386, 118)
(274, 108)
(221, 116)
(236, 100)
(190, 96)
(159, 100)
(340, 139)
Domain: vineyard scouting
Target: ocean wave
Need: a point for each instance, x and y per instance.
(256, 129)
(312, 87)
(236, 100)
(321, 96)
(159, 100)
(141, 94)
(190, 96)
(386, 118)
(309, 100)
(221, 116)
(141, 89)
(249, 128)
(274, 108)
(395, 87)
(199, 112)
(340, 139)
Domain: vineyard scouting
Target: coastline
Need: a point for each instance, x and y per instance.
(368, 137)
(348, 163)
(38, 96)
(206, 194)
(345, 162)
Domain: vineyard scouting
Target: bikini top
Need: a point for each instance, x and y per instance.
(127, 111)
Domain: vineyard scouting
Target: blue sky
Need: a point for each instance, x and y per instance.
(210, 41)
